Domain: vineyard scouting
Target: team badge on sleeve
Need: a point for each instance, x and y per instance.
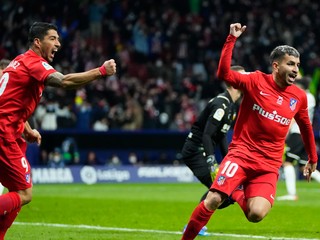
(218, 115)
(47, 66)
(221, 180)
(28, 178)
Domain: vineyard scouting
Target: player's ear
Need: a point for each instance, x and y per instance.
(36, 42)
(275, 66)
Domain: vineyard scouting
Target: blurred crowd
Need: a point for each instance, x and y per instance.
(167, 52)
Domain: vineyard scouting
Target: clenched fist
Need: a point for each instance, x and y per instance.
(236, 29)
(110, 67)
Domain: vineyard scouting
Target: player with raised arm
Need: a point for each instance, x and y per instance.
(21, 87)
(254, 157)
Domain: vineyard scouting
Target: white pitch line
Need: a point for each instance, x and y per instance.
(59, 225)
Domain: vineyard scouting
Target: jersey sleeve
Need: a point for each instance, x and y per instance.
(213, 125)
(305, 126)
(234, 78)
(40, 69)
(224, 146)
(208, 144)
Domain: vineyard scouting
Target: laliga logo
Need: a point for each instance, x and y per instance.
(272, 116)
(88, 175)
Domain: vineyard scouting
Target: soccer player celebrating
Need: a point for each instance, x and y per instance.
(21, 87)
(269, 103)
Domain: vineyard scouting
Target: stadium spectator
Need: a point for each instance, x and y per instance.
(133, 116)
(254, 156)
(66, 118)
(70, 151)
(55, 159)
(114, 161)
(97, 9)
(22, 84)
(208, 132)
(49, 120)
(44, 157)
(295, 153)
(92, 159)
(101, 125)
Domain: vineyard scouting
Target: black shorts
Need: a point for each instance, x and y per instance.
(295, 151)
(193, 156)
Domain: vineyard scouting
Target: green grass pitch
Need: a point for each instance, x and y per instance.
(155, 211)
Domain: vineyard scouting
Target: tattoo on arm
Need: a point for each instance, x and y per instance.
(54, 79)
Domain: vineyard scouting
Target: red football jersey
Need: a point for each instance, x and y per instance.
(265, 114)
(21, 87)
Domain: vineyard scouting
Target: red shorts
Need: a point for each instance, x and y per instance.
(257, 180)
(15, 170)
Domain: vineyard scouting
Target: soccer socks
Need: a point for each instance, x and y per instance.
(9, 202)
(290, 179)
(10, 205)
(7, 220)
(199, 218)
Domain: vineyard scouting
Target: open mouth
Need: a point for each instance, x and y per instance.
(292, 77)
(53, 52)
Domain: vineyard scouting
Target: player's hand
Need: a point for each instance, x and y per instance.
(110, 66)
(213, 166)
(236, 29)
(308, 169)
(211, 160)
(33, 136)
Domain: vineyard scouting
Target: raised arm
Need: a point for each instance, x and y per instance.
(224, 72)
(76, 80)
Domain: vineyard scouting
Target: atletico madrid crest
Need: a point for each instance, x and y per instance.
(293, 104)
(221, 180)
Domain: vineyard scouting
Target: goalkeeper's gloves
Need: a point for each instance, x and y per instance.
(213, 166)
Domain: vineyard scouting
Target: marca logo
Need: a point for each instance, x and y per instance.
(271, 115)
(52, 175)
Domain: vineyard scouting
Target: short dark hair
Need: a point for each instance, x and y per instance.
(4, 63)
(280, 51)
(237, 68)
(40, 30)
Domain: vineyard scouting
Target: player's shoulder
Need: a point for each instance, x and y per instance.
(219, 103)
(293, 89)
(261, 76)
(224, 98)
(26, 58)
(255, 78)
(31, 59)
(218, 100)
